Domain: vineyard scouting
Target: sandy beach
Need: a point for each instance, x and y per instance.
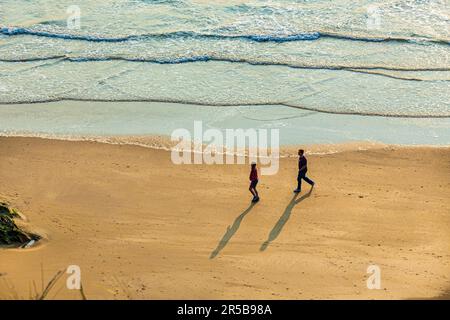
(141, 227)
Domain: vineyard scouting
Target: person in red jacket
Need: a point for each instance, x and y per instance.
(253, 182)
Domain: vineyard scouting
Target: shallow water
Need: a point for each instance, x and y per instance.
(72, 119)
(388, 58)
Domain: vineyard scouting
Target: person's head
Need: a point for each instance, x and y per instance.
(253, 165)
(301, 152)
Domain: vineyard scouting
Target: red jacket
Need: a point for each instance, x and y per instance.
(253, 175)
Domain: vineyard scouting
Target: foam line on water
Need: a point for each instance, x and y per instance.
(310, 36)
(365, 69)
(211, 104)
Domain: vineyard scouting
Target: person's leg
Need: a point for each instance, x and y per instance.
(308, 180)
(254, 184)
(299, 183)
(251, 190)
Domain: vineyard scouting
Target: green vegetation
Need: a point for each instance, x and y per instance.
(10, 234)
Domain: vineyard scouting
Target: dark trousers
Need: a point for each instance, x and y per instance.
(302, 175)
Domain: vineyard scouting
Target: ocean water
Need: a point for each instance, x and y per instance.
(386, 59)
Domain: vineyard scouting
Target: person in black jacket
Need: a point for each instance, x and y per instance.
(302, 169)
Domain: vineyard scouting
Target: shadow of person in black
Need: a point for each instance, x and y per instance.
(231, 231)
(283, 219)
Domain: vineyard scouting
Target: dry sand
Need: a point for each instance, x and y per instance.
(142, 228)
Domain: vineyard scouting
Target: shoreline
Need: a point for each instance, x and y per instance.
(100, 119)
(163, 142)
(141, 227)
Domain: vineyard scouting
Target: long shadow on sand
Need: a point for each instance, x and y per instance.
(231, 231)
(283, 219)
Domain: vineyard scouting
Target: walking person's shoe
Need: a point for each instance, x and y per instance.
(297, 190)
(255, 199)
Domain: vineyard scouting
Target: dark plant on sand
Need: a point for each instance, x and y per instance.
(10, 233)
